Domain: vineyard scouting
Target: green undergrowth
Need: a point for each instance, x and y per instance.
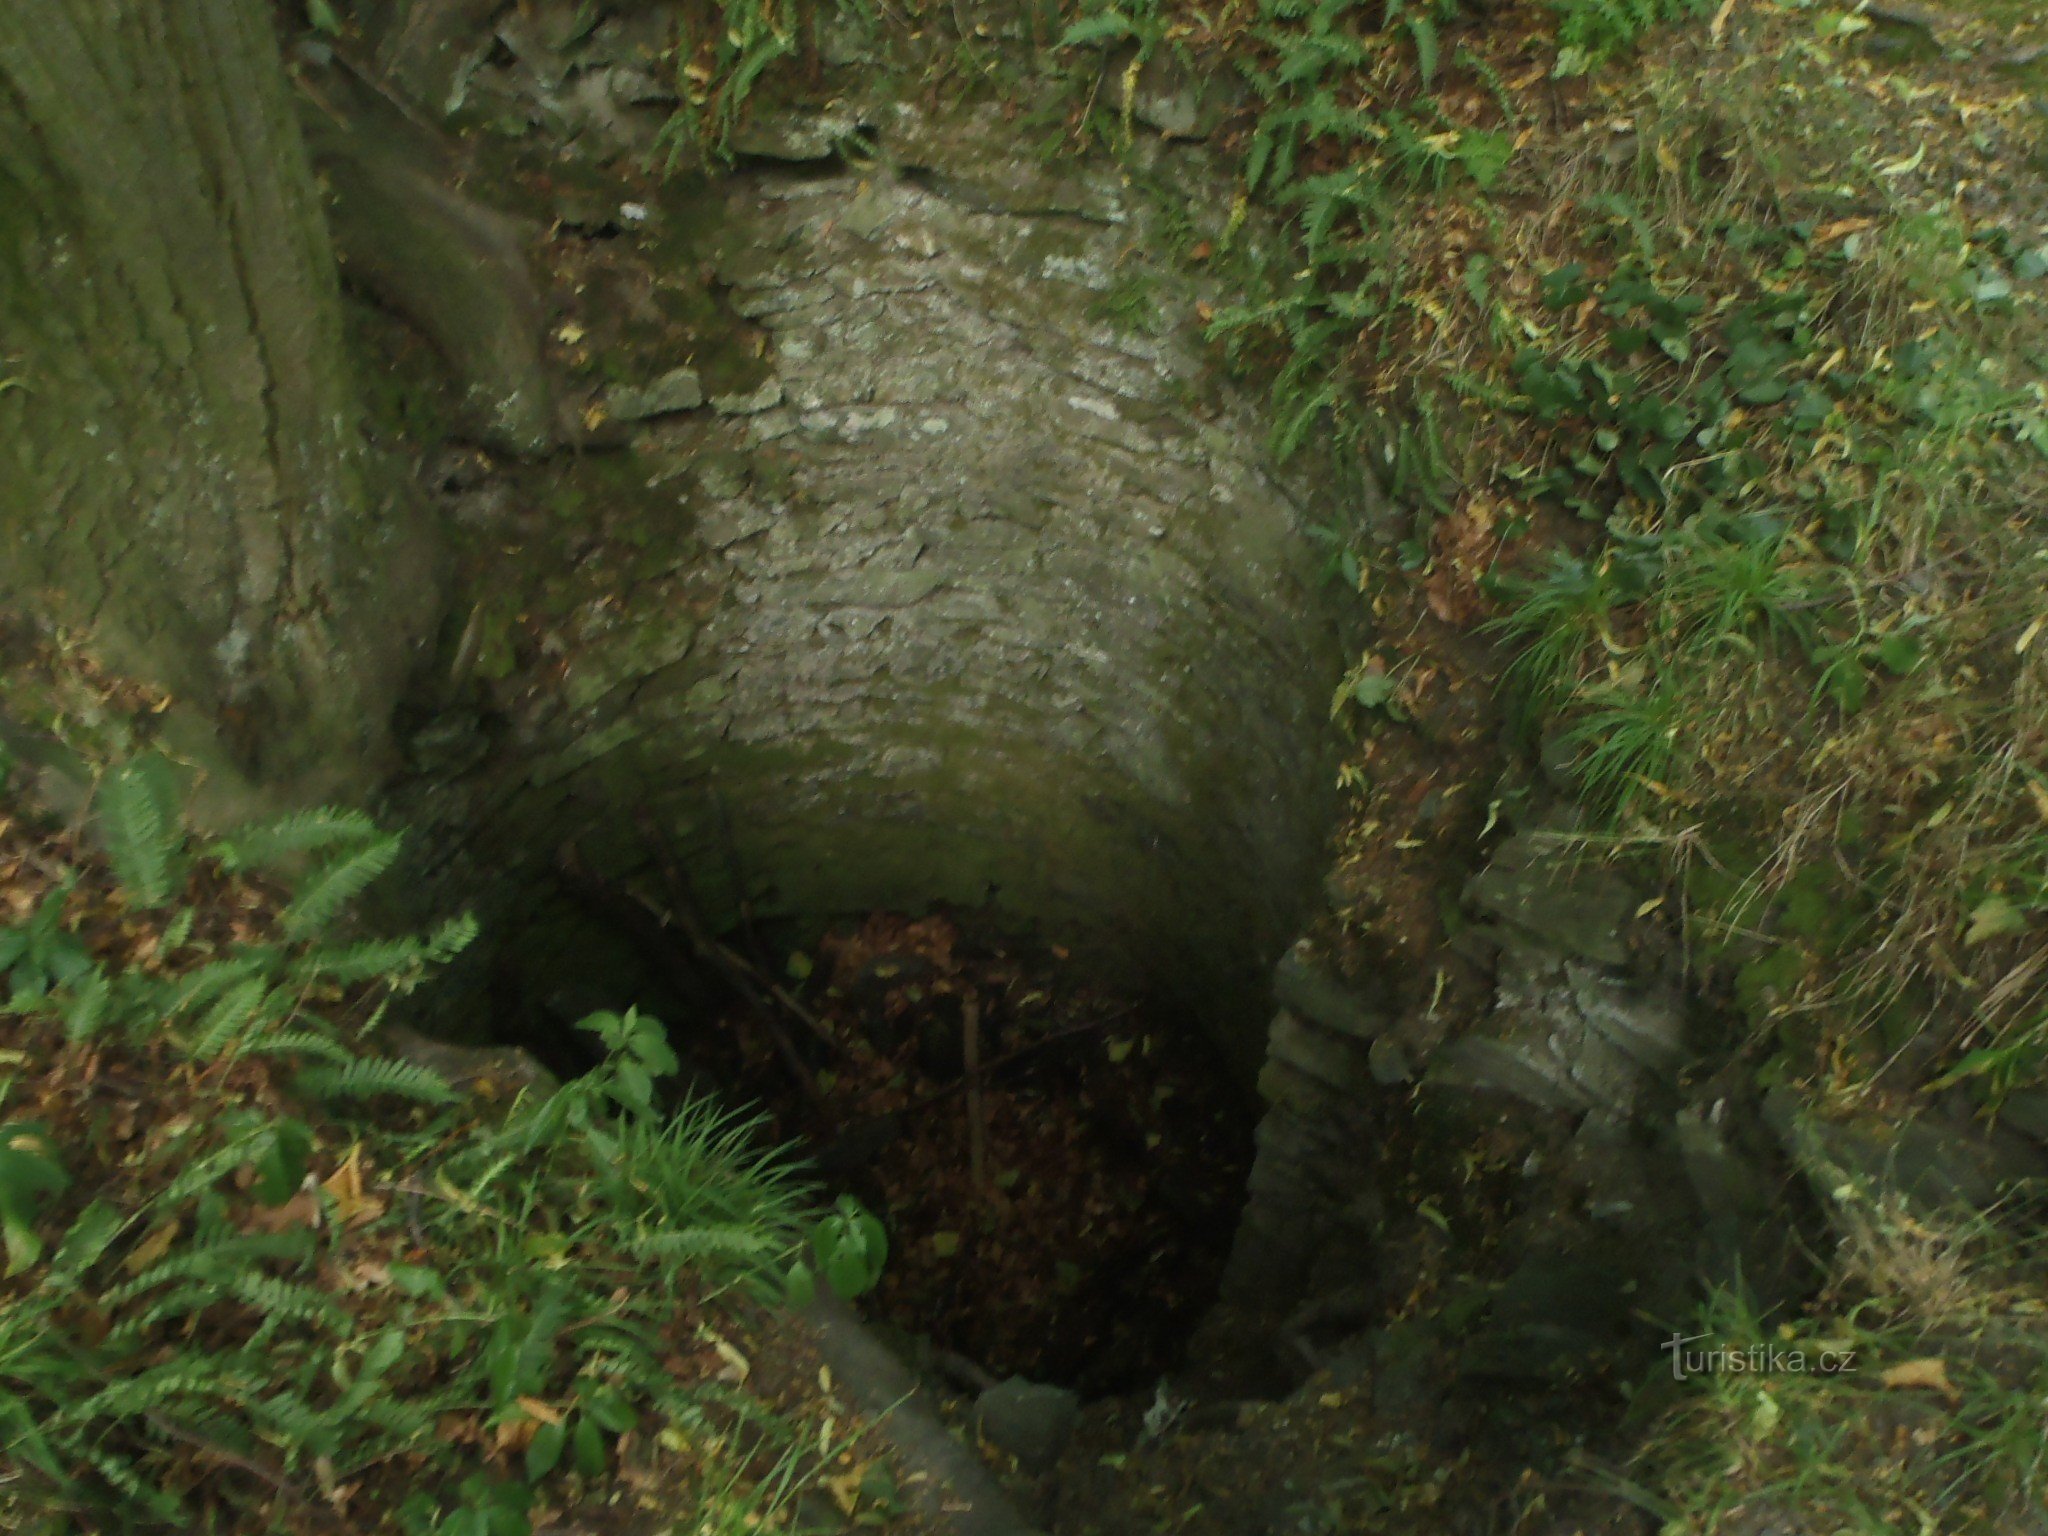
(264, 1274)
(1907, 1398)
(1710, 380)
(1725, 356)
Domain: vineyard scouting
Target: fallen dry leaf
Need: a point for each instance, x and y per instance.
(736, 1367)
(153, 1247)
(845, 1489)
(302, 1210)
(533, 1407)
(1930, 1373)
(353, 1205)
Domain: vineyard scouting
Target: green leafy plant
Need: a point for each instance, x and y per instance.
(526, 1282)
(722, 60)
(1590, 32)
(141, 818)
(30, 1175)
(640, 1054)
(41, 955)
(848, 1250)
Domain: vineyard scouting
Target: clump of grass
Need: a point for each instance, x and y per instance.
(727, 52)
(1925, 1417)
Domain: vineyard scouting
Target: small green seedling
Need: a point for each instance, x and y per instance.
(640, 1052)
(41, 955)
(848, 1248)
(29, 1175)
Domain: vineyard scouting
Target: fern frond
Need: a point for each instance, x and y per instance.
(732, 1243)
(214, 1261)
(290, 1300)
(289, 837)
(179, 1301)
(370, 1076)
(365, 961)
(397, 960)
(330, 888)
(200, 988)
(293, 1421)
(241, 1008)
(153, 1387)
(141, 822)
(88, 1005)
(303, 1042)
(177, 931)
(452, 938)
(204, 1170)
(91, 1234)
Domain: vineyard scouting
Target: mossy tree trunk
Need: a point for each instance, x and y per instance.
(182, 477)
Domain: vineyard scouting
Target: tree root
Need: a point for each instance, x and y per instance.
(452, 268)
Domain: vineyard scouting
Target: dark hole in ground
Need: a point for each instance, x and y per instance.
(1067, 1220)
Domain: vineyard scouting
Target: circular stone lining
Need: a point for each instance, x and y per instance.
(986, 593)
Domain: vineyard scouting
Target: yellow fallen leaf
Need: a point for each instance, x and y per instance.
(353, 1204)
(302, 1210)
(153, 1247)
(1930, 1373)
(516, 1434)
(845, 1489)
(736, 1367)
(1909, 163)
(534, 1408)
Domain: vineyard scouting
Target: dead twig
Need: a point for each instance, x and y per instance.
(977, 1114)
(651, 929)
(763, 991)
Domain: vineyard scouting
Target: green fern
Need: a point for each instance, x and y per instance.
(242, 1008)
(289, 1299)
(213, 1261)
(361, 961)
(397, 960)
(140, 820)
(275, 843)
(211, 1331)
(370, 1076)
(1593, 31)
(89, 1002)
(91, 1234)
(328, 890)
(202, 987)
(201, 1172)
(730, 1244)
(303, 1042)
